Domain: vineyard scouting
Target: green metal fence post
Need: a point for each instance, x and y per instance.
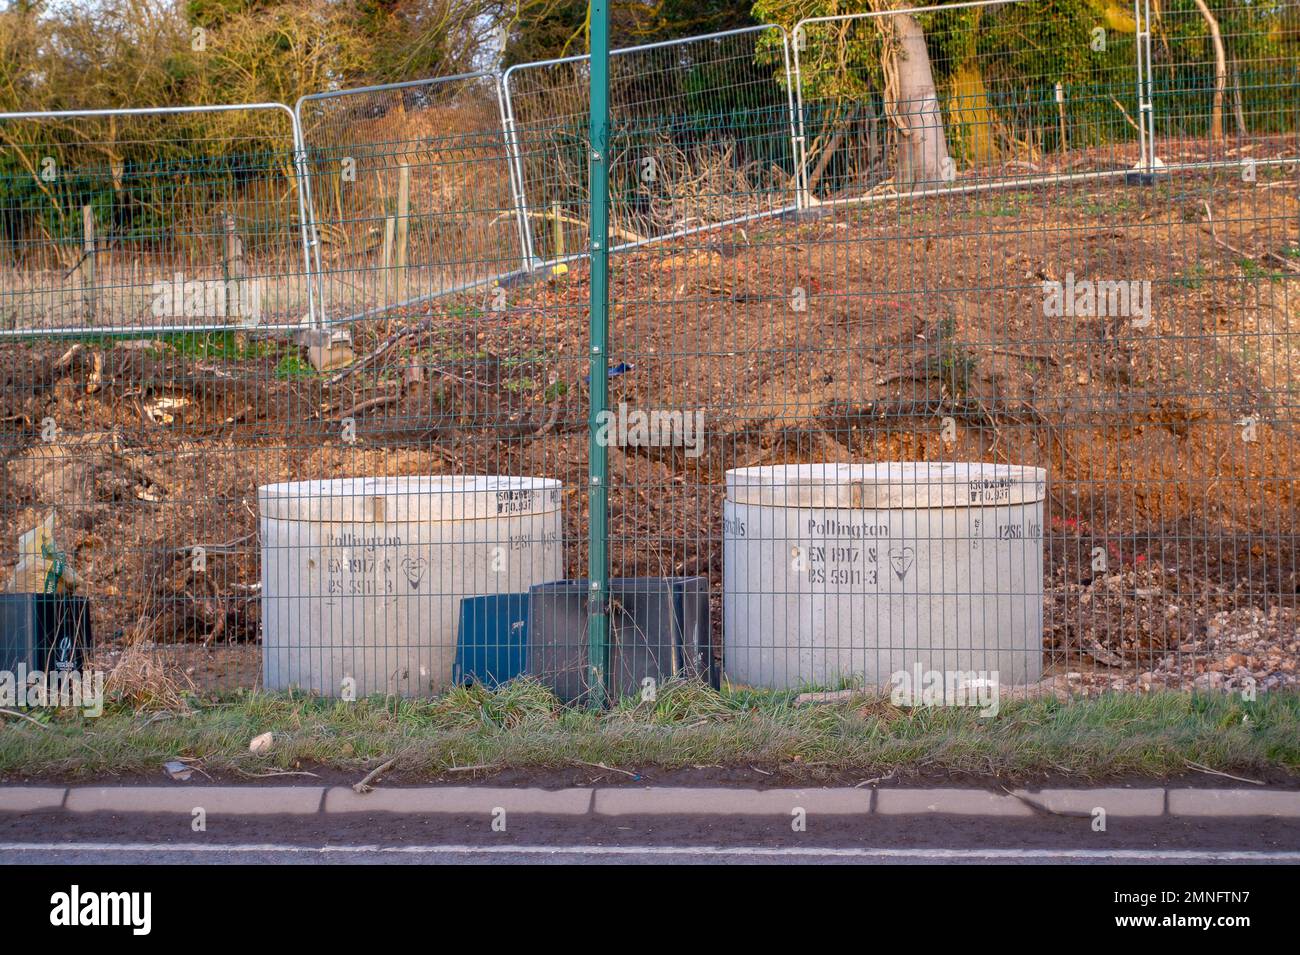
(598, 455)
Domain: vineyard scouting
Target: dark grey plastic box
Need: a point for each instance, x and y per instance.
(46, 632)
(659, 628)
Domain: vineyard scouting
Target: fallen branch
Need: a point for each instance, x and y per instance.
(623, 234)
(23, 716)
(1017, 353)
(1209, 219)
(1285, 262)
(551, 418)
(364, 786)
(230, 547)
(367, 405)
(1214, 772)
(379, 351)
(610, 769)
(274, 772)
(874, 780)
(68, 357)
(833, 696)
(1124, 112)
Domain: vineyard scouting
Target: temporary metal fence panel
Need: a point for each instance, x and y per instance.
(700, 123)
(146, 220)
(1004, 92)
(1224, 79)
(413, 188)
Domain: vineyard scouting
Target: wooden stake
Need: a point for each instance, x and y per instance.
(403, 212)
(1237, 110)
(88, 262)
(232, 264)
(390, 226)
(1060, 108)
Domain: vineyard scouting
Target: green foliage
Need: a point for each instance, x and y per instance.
(222, 346)
(292, 367)
(115, 53)
(956, 366)
(545, 29)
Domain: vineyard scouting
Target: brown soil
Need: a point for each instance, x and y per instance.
(916, 312)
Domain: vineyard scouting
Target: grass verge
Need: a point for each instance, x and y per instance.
(521, 726)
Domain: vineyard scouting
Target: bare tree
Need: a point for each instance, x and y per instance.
(1220, 70)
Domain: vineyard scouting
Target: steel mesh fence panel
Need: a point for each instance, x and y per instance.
(413, 191)
(1223, 79)
(945, 443)
(402, 562)
(698, 122)
(1084, 488)
(1007, 92)
(274, 506)
(138, 220)
(144, 251)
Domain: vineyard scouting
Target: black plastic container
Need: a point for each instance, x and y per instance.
(659, 628)
(46, 632)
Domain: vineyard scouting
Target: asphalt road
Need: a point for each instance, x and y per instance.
(92, 838)
(146, 853)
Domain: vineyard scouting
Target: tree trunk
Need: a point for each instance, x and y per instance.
(1220, 70)
(1237, 110)
(828, 151)
(914, 107)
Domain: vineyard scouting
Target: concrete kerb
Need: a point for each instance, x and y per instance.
(687, 801)
(616, 802)
(214, 800)
(949, 802)
(1234, 802)
(1082, 802)
(31, 798)
(462, 800)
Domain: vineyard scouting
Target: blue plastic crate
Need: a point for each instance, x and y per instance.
(492, 640)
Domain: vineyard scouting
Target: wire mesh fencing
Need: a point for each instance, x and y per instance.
(959, 437)
(240, 500)
(149, 220)
(703, 135)
(1223, 81)
(414, 193)
(968, 96)
(1024, 416)
(1090, 415)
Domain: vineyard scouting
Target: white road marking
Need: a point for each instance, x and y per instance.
(829, 852)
